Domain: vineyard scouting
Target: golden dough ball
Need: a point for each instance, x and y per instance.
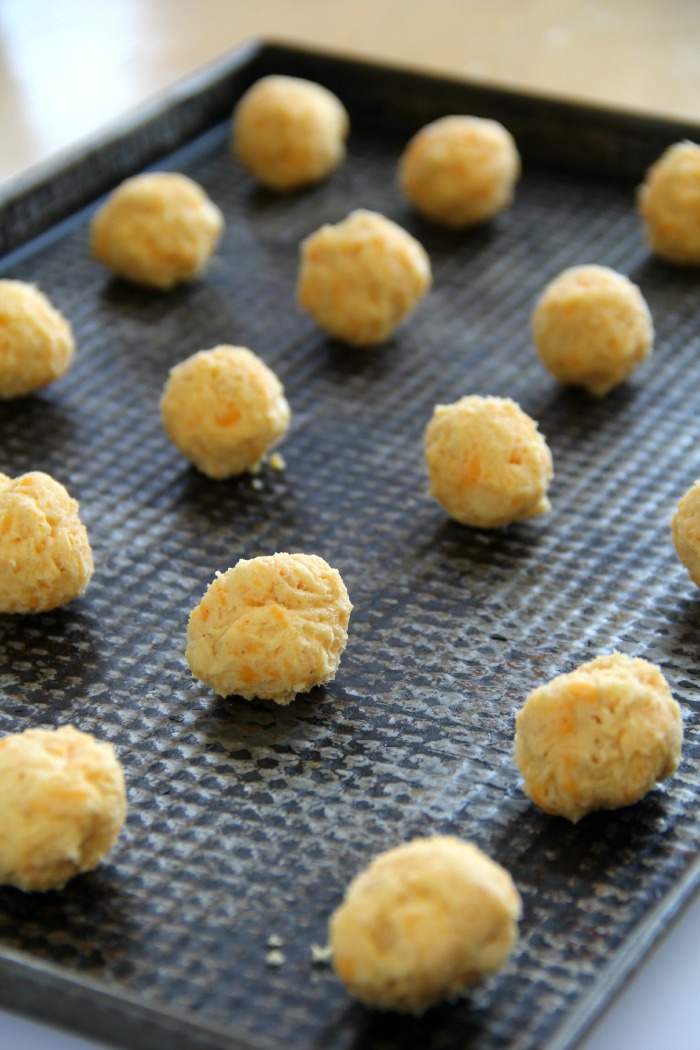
(157, 229)
(289, 132)
(592, 328)
(685, 529)
(669, 203)
(45, 555)
(63, 806)
(598, 738)
(360, 278)
(460, 171)
(36, 341)
(422, 923)
(223, 409)
(270, 627)
(488, 464)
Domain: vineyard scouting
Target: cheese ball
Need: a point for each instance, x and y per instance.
(598, 738)
(669, 203)
(460, 171)
(270, 627)
(422, 923)
(223, 409)
(157, 230)
(360, 278)
(289, 133)
(685, 529)
(63, 806)
(488, 465)
(592, 328)
(45, 555)
(36, 341)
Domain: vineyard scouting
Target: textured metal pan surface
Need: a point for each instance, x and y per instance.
(247, 820)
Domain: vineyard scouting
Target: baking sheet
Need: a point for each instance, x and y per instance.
(247, 820)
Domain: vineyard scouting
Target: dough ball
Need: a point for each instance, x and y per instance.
(63, 806)
(487, 463)
(45, 555)
(36, 341)
(598, 738)
(223, 409)
(669, 202)
(271, 627)
(685, 529)
(423, 922)
(361, 278)
(459, 171)
(289, 132)
(158, 230)
(592, 328)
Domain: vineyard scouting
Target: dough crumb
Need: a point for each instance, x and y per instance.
(157, 230)
(278, 462)
(273, 941)
(275, 958)
(592, 328)
(685, 529)
(459, 171)
(63, 806)
(487, 463)
(223, 409)
(270, 627)
(45, 555)
(599, 737)
(36, 341)
(422, 923)
(360, 278)
(289, 133)
(669, 203)
(321, 955)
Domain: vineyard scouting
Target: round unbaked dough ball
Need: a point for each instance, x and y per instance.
(685, 529)
(63, 806)
(459, 171)
(423, 922)
(158, 229)
(289, 132)
(360, 278)
(488, 464)
(592, 328)
(45, 555)
(669, 202)
(270, 627)
(36, 341)
(223, 409)
(598, 738)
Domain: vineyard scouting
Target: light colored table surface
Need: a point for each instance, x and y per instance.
(70, 67)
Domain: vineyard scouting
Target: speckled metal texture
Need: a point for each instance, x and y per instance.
(247, 820)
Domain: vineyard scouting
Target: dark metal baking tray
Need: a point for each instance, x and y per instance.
(247, 820)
